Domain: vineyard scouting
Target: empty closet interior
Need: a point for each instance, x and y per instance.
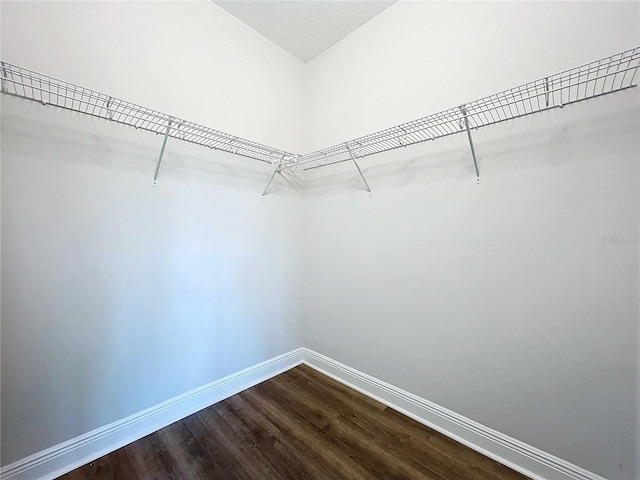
(441, 209)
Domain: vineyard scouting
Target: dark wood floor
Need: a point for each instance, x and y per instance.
(298, 425)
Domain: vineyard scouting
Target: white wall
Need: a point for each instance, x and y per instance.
(499, 301)
(117, 296)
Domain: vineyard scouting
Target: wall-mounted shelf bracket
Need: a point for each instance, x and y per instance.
(473, 151)
(4, 75)
(353, 157)
(546, 92)
(164, 144)
(277, 170)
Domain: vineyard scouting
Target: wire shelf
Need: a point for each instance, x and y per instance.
(600, 77)
(24, 83)
(610, 74)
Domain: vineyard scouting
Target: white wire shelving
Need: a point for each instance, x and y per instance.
(24, 83)
(607, 75)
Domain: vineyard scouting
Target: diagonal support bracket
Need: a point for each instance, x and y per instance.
(277, 170)
(473, 150)
(358, 167)
(3, 83)
(164, 144)
(546, 91)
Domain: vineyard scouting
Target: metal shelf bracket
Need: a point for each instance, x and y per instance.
(3, 85)
(277, 170)
(353, 158)
(473, 151)
(109, 111)
(546, 91)
(164, 144)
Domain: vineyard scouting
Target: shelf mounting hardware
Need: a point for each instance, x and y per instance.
(277, 170)
(164, 144)
(473, 150)
(4, 76)
(358, 167)
(546, 91)
(109, 111)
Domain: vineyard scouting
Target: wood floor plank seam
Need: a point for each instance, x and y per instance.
(306, 434)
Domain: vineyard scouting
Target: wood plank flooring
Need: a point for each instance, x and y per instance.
(298, 425)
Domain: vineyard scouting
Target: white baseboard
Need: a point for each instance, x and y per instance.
(513, 453)
(62, 458)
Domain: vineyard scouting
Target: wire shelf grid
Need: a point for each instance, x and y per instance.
(24, 83)
(610, 74)
(607, 75)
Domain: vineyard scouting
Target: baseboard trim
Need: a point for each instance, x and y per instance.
(513, 453)
(64, 457)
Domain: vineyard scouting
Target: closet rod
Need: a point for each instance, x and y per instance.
(610, 74)
(24, 83)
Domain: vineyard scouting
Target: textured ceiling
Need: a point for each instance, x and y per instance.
(304, 28)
